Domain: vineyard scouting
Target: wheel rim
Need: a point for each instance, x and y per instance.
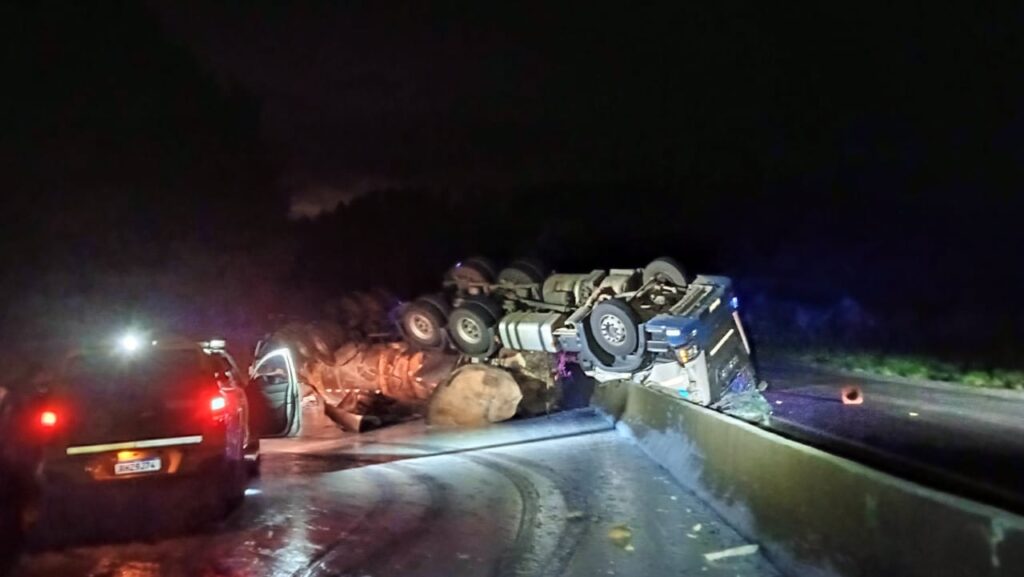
(421, 327)
(613, 330)
(469, 330)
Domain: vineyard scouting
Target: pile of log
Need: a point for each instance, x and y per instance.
(360, 381)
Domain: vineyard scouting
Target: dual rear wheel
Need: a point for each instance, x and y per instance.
(429, 323)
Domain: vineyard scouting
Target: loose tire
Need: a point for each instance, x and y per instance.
(615, 327)
(423, 323)
(665, 269)
(472, 328)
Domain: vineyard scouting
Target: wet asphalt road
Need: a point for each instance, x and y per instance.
(963, 440)
(410, 501)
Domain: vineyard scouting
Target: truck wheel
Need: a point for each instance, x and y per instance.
(422, 323)
(439, 301)
(473, 270)
(523, 271)
(665, 269)
(472, 328)
(490, 304)
(615, 326)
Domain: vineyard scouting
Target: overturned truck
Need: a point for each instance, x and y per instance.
(517, 338)
(654, 325)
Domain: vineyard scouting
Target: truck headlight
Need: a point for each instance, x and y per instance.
(687, 353)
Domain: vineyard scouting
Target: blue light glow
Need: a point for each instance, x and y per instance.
(734, 302)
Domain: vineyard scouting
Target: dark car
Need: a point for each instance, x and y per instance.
(122, 427)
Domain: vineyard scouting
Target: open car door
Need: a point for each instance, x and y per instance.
(274, 394)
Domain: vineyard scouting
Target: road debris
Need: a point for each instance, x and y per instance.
(740, 551)
(621, 536)
(697, 528)
(749, 405)
(852, 396)
(575, 516)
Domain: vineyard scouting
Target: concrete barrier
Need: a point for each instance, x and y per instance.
(814, 513)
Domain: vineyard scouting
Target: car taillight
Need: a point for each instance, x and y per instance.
(217, 404)
(48, 419)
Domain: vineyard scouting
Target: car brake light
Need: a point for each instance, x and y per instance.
(48, 419)
(217, 404)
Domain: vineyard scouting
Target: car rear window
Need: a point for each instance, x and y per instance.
(152, 371)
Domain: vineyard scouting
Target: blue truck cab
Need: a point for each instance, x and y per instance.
(690, 341)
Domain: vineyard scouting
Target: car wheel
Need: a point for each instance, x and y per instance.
(234, 487)
(253, 465)
(472, 328)
(422, 323)
(665, 269)
(615, 326)
(11, 532)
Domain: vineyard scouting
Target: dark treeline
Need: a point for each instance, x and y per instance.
(903, 271)
(139, 188)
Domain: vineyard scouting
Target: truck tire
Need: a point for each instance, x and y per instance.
(472, 328)
(422, 322)
(471, 271)
(616, 327)
(484, 265)
(439, 301)
(523, 271)
(489, 303)
(665, 269)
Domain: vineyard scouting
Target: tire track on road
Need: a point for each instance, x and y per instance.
(383, 502)
(573, 532)
(338, 560)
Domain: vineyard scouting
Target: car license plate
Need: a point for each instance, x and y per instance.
(131, 467)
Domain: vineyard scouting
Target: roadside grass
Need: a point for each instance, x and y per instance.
(914, 367)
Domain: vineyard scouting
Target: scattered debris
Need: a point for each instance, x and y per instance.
(534, 372)
(674, 498)
(621, 536)
(913, 414)
(697, 528)
(852, 396)
(733, 552)
(750, 405)
(691, 535)
(575, 515)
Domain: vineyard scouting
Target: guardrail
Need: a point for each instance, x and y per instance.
(812, 512)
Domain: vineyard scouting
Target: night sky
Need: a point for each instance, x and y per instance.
(361, 95)
(157, 159)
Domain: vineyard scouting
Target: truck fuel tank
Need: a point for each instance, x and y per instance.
(526, 331)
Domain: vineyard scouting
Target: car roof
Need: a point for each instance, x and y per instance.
(160, 343)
